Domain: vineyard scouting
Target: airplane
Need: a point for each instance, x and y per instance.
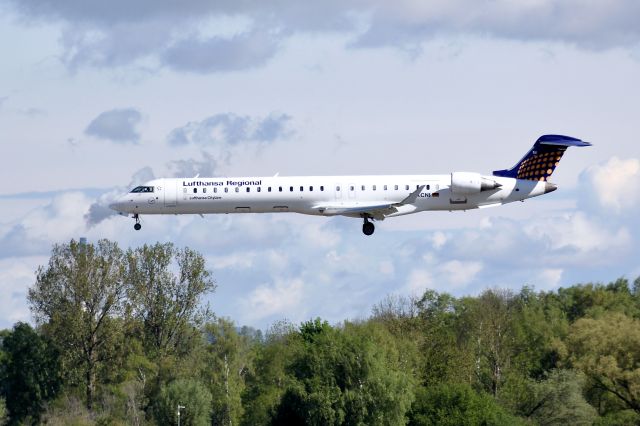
(370, 198)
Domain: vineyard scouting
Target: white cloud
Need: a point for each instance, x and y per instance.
(231, 129)
(154, 32)
(280, 299)
(615, 185)
(240, 260)
(439, 239)
(548, 279)
(578, 232)
(17, 274)
(458, 273)
(418, 281)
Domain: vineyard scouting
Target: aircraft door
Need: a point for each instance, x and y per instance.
(170, 192)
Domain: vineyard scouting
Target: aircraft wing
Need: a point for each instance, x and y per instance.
(372, 210)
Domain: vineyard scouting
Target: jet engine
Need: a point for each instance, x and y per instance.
(466, 183)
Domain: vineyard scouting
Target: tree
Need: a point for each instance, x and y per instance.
(30, 373)
(229, 359)
(167, 303)
(75, 299)
(268, 379)
(594, 299)
(187, 393)
(607, 350)
(346, 376)
(557, 399)
(449, 404)
(491, 317)
(445, 342)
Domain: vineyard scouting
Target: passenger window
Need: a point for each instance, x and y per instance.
(195, 190)
(259, 188)
(417, 186)
(406, 187)
(322, 188)
(280, 188)
(291, 189)
(237, 189)
(226, 190)
(269, 189)
(184, 190)
(428, 187)
(363, 187)
(337, 188)
(374, 187)
(351, 188)
(395, 187)
(248, 189)
(385, 187)
(204, 190)
(301, 188)
(311, 188)
(215, 189)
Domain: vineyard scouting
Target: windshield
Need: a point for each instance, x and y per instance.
(142, 189)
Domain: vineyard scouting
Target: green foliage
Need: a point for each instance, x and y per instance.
(607, 350)
(167, 303)
(31, 373)
(76, 298)
(593, 300)
(444, 338)
(350, 375)
(311, 329)
(67, 411)
(4, 415)
(619, 418)
(457, 405)
(229, 358)
(555, 399)
(189, 393)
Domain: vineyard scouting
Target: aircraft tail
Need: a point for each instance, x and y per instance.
(542, 159)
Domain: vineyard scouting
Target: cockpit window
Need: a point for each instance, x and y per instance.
(142, 189)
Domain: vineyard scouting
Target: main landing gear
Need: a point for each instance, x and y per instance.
(137, 226)
(367, 227)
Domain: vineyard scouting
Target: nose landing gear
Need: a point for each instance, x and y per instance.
(368, 227)
(137, 226)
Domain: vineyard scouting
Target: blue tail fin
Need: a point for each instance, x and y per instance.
(541, 160)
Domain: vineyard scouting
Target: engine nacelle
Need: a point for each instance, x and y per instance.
(466, 183)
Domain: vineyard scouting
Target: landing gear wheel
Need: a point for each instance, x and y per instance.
(368, 227)
(137, 226)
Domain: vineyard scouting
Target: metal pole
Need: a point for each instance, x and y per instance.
(179, 407)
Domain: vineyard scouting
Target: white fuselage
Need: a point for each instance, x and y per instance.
(319, 195)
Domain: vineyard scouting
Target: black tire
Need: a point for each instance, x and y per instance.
(368, 228)
(137, 226)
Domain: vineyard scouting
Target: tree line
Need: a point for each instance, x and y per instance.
(122, 337)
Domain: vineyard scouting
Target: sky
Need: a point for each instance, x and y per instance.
(96, 97)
